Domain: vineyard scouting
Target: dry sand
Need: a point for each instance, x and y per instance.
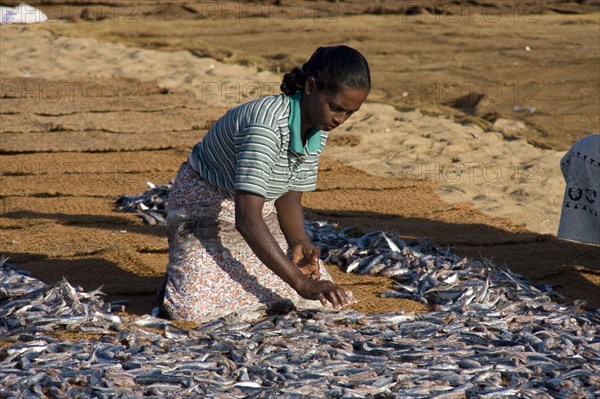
(84, 120)
(510, 179)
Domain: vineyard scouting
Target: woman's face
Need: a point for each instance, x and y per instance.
(327, 110)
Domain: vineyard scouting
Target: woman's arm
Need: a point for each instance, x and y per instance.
(291, 219)
(250, 224)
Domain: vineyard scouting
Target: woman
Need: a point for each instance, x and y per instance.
(235, 206)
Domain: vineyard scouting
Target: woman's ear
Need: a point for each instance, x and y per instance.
(309, 85)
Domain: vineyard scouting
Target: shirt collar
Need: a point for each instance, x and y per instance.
(313, 142)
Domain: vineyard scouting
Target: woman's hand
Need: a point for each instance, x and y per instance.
(306, 257)
(325, 291)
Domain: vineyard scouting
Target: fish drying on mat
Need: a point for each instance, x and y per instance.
(423, 272)
(31, 306)
(150, 205)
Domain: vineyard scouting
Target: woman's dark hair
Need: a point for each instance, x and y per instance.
(333, 68)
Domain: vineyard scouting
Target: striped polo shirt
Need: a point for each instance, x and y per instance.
(248, 149)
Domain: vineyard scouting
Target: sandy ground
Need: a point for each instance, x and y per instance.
(93, 110)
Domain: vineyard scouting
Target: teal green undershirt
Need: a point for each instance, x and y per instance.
(313, 142)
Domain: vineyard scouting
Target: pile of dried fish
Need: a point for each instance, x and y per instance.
(16, 282)
(30, 306)
(530, 348)
(423, 272)
(150, 205)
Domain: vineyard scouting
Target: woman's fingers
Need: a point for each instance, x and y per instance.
(333, 299)
(315, 254)
(322, 299)
(312, 256)
(310, 270)
(308, 260)
(336, 295)
(340, 297)
(325, 291)
(317, 262)
(315, 270)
